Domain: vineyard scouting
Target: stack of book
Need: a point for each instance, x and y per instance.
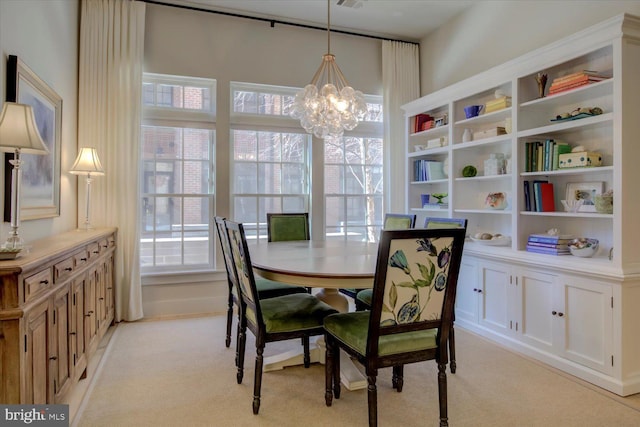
(548, 244)
(542, 156)
(423, 122)
(497, 104)
(435, 205)
(575, 80)
(540, 198)
(427, 170)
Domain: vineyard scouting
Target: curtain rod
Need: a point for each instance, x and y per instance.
(273, 22)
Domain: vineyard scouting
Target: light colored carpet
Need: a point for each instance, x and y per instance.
(179, 373)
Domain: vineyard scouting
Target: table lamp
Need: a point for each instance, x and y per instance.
(18, 134)
(87, 163)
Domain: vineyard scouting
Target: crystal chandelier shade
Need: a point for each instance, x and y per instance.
(328, 105)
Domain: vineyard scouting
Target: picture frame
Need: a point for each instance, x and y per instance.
(584, 191)
(40, 186)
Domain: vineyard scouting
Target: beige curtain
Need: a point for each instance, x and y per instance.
(109, 110)
(401, 84)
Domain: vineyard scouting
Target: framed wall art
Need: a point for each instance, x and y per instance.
(585, 191)
(40, 187)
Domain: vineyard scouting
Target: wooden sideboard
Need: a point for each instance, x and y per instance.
(56, 303)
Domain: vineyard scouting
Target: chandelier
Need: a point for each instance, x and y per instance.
(328, 105)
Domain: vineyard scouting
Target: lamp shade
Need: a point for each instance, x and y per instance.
(18, 130)
(87, 163)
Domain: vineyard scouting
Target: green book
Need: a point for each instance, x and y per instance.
(559, 148)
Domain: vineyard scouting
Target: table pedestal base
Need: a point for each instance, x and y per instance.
(350, 375)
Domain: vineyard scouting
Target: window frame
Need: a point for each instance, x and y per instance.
(172, 117)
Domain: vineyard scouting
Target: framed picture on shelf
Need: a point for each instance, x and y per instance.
(585, 191)
(40, 195)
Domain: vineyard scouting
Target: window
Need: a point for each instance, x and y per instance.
(177, 174)
(353, 179)
(272, 166)
(270, 156)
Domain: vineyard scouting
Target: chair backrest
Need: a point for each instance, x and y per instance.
(223, 237)
(415, 283)
(398, 221)
(436, 222)
(243, 271)
(287, 226)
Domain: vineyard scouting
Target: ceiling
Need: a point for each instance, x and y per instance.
(408, 20)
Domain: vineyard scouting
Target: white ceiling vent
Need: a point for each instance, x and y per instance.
(354, 4)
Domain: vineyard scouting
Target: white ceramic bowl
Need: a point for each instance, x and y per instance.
(583, 247)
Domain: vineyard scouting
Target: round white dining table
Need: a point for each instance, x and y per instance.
(326, 264)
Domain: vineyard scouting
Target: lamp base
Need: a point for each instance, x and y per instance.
(13, 242)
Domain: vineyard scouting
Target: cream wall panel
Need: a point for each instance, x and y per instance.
(494, 32)
(44, 34)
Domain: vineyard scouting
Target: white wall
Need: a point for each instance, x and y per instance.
(44, 35)
(493, 32)
(201, 44)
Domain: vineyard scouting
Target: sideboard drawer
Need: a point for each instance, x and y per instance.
(81, 258)
(63, 269)
(94, 250)
(37, 283)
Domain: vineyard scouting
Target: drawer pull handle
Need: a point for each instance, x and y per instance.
(53, 358)
(68, 269)
(44, 282)
(96, 252)
(83, 259)
(105, 246)
(101, 299)
(72, 333)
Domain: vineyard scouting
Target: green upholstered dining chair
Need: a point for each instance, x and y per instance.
(266, 288)
(411, 313)
(363, 299)
(287, 226)
(391, 222)
(394, 221)
(281, 318)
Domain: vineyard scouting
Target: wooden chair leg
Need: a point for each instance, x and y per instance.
(242, 339)
(336, 371)
(307, 356)
(372, 397)
(452, 350)
(328, 371)
(227, 341)
(442, 394)
(397, 380)
(257, 383)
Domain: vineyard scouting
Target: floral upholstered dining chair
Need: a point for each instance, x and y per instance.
(411, 313)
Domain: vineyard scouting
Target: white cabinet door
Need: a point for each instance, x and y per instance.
(585, 314)
(467, 292)
(537, 293)
(494, 282)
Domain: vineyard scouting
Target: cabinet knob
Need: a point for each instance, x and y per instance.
(479, 291)
(554, 312)
(560, 314)
(475, 289)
